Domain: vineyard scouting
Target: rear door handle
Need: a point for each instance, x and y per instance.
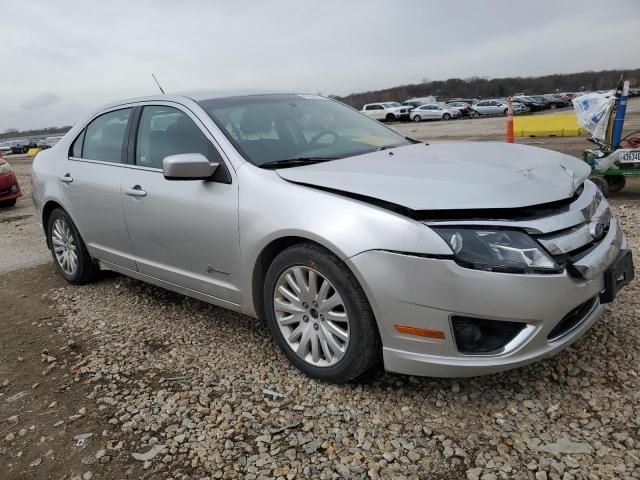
(66, 179)
(135, 191)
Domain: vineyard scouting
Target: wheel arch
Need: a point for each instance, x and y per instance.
(49, 207)
(264, 260)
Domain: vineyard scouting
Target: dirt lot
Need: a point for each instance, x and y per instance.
(207, 394)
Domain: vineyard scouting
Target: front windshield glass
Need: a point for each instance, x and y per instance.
(267, 128)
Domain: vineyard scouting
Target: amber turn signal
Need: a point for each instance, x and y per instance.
(421, 332)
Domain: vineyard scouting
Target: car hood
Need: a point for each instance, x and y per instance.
(450, 176)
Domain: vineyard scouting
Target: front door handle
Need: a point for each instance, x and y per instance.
(66, 179)
(136, 191)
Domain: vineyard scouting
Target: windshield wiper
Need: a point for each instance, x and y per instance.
(296, 162)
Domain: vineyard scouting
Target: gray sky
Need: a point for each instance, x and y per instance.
(62, 59)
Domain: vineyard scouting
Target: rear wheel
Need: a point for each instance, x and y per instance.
(70, 255)
(446, 116)
(615, 183)
(417, 118)
(319, 315)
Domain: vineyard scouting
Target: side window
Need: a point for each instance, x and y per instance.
(104, 137)
(76, 148)
(376, 107)
(165, 131)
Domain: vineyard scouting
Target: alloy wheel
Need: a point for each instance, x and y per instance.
(311, 316)
(64, 246)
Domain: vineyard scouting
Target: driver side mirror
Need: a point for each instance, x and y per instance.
(188, 166)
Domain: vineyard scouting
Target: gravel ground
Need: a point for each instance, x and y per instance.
(184, 390)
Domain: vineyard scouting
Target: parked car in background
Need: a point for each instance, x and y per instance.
(387, 111)
(417, 101)
(463, 107)
(22, 146)
(470, 101)
(49, 142)
(5, 147)
(556, 101)
(356, 244)
(434, 111)
(519, 106)
(532, 104)
(9, 188)
(546, 103)
(490, 107)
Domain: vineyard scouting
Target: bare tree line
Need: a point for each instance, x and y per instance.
(482, 87)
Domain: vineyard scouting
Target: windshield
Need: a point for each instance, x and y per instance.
(267, 128)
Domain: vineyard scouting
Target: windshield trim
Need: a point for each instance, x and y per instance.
(245, 156)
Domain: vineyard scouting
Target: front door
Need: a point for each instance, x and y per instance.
(184, 232)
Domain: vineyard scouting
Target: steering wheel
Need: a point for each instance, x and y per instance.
(321, 134)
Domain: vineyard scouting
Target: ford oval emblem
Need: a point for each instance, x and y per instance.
(596, 230)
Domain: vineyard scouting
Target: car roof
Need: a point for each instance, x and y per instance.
(197, 96)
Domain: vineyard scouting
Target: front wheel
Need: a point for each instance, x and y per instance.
(446, 116)
(390, 117)
(70, 255)
(319, 315)
(417, 118)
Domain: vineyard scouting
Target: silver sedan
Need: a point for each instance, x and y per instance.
(356, 244)
(433, 111)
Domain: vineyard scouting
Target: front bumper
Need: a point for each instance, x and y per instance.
(427, 292)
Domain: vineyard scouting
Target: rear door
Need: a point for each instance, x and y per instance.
(90, 186)
(184, 232)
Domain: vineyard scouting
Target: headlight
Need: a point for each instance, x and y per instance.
(497, 250)
(5, 168)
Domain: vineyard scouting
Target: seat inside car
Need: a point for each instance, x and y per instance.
(259, 137)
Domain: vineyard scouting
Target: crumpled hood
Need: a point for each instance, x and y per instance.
(451, 176)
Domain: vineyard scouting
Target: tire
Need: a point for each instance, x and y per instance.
(417, 118)
(446, 116)
(602, 184)
(8, 203)
(474, 114)
(552, 106)
(506, 110)
(60, 228)
(390, 117)
(362, 349)
(615, 183)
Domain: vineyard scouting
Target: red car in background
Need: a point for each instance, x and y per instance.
(9, 188)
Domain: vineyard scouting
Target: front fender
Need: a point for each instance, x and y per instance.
(271, 208)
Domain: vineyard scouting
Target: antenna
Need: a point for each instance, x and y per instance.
(157, 83)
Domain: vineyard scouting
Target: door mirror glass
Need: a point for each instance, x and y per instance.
(188, 166)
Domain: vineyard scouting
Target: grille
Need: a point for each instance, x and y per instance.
(572, 319)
